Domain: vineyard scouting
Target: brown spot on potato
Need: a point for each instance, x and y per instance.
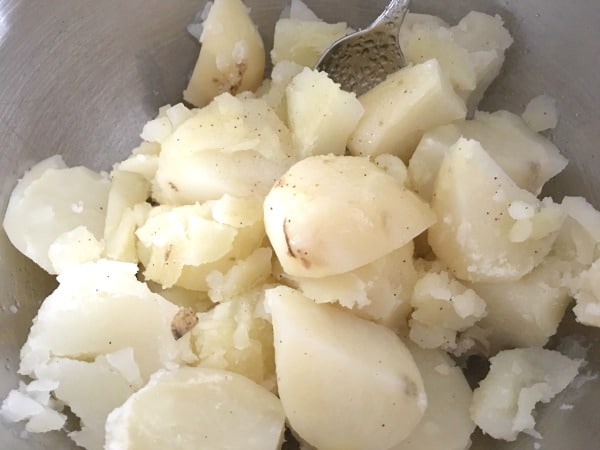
(294, 253)
(411, 389)
(173, 186)
(183, 322)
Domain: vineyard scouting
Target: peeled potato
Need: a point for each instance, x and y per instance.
(488, 229)
(331, 214)
(197, 409)
(344, 382)
(232, 56)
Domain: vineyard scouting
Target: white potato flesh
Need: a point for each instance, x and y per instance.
(52, 199)
(587, 295)
(91, 390)
(344, 382)
(525, 312)
(400, 109)
(274, 89)
(232, 56)
(331, 214)
(486, 39)
(232, 146)
(475, 234)
(171, 412)
(446, 423)
(127, 189)
(299, 10)
(232, 336)
(74, 247)
(416, 20)
(99, 308)
(518, 379)
(379, 291)
(183, 245)
(443, 303)
(303, 41)
(528, 158)
(320, 114)
(541, 113)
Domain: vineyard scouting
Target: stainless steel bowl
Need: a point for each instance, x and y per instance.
(80, 77)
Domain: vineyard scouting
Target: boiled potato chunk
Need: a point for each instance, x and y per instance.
(99, 308)
(331, 214)
(52, 199)
(587, 294)
(321, 116)
(517, 380)
(446, 424)
(400, 109)
(344, 382)
(488, 229)
(232, 56)
(232, 146)
(525, 312)
(273, 90)
(541, 113)
(528, 158)
(197, 409)
(304, 41)
(74, 247)
(379, 291)
(442, 307)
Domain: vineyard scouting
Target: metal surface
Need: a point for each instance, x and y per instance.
(80, 77)
(366, 57)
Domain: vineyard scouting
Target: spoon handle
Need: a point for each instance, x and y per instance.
(392, 16)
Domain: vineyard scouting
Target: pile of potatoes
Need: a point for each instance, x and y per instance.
(285, 253)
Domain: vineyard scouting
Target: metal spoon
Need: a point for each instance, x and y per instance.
(363, 59)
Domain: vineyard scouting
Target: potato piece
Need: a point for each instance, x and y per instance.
(442, 308)
(274, 89)
(415, 20)
(476, 237)
(528, 158)
(379, 291)
(233, 146)
(232, 56)
(183, 245)
(331, 214)
(446, 424)
(233, 337)
(321, 116)
(525, 312)
(195, 408)
(304, 41)
(486, 39)
(52, 199)
(300, 11)
(587, 295)
(427, 43)
(243, 276)
(517, 380)
(400, 109)
(74, 247)
(541, 113)
(344, 382)
(99, 308)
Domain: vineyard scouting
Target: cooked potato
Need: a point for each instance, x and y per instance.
(74, 247)
(52, 199)
(587, 294)
(331, 214)
(541, 113)
(442, 307)
(446, 423)
(232, 55)
(233, 146)
(525, 312)
(166, 413)
(321, 116)
(400, 109)
(478, 235)
(344, 382)
(303, 41)
(518, 379)
(528, 158)
(273, 90)
(182, 245)
(379, 291)
(233, 337)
